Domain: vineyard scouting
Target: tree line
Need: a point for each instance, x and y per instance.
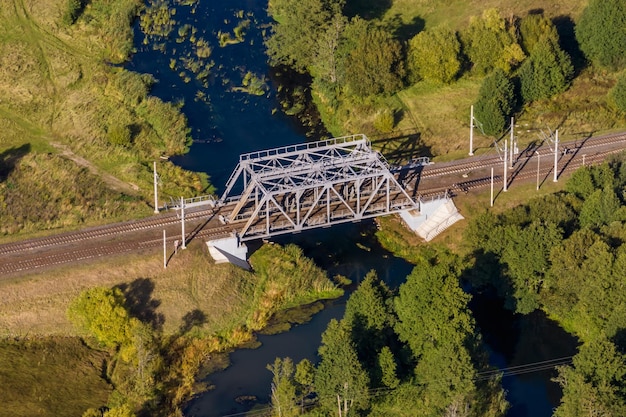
(418, 352)
(523, 59)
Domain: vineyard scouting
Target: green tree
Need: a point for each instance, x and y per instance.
(433, 320)
(496, 100)
(547, 72)
(387, 364)
(600, 33)
(340, 375)
(489, 43)
(581, 183)
(300, 25)
(283, 388)
(535, 27)
(369, 315)
(525, 258)
(618, 93)
(324, 65)
(595, 385)
(102, 312)
(600, 208)
(370, 60)
(434, 55)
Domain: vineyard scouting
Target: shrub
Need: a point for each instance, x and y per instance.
(618, 93)
(384, 121)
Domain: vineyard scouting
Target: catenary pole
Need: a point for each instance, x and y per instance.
(156, 198)
(182, 220)
(556, 155)
(491, 186)
(538, 163)
(505, 165)
(471, 144)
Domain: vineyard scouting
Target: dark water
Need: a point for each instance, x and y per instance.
(229, 123)
(232, 122)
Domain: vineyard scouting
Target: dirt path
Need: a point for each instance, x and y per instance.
(113, 182)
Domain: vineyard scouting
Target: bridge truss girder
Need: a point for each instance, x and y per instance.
(313, 185)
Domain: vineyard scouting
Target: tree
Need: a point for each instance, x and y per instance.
(369, 315)
(433, 320)
(581, 183)
(489, 44)
(324, 65)
(101, 312)
(387, 364)
(600, 33)
(340, 377)
(525, 257)
(535, 27)
(594, 386)
(547, 72)
(283, 388)
(370, 60)
(600, 208)
(496, 100)
(300, 24)
(618, 93)
(434, 55)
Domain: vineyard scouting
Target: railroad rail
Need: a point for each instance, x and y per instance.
(424, 181)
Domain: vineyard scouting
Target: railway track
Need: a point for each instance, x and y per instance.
(431, 180)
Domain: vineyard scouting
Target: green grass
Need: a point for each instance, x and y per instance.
(60, 95)
(50, 377)
(456, 13)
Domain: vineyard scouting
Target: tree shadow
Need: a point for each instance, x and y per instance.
(567, 40)
(367, 9)
(10, 158)
(140, 303)
(192, 319)
(400, 149)
(405, 31)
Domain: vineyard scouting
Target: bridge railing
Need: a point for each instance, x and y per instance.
(342, 140)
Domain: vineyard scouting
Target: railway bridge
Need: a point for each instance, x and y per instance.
(318, 184)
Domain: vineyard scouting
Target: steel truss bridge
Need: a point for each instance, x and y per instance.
(310, 185)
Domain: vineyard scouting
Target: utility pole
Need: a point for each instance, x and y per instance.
(471, 150)
(556, 155)
(491, 187)
(164, 251)
(505, 165)
(538, 162)
(512, 145)
(156, 198)
(584, 159)
(182, 220)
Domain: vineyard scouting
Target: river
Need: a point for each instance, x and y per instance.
(232, 122)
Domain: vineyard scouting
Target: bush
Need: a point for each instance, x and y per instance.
(618, 93)
(384, 121)
(434, 55)
(73, 8)
(120, 135)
